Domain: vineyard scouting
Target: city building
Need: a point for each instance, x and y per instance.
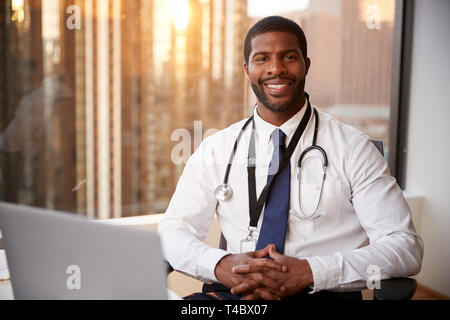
(89, 118)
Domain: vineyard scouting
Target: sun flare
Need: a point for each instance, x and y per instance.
(180, 14)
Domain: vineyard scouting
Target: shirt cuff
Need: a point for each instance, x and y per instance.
(207, 264)
(326, 273)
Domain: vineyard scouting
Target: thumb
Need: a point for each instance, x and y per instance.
(262, 253)
(273, 253)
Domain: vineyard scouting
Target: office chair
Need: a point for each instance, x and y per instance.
(390, 289)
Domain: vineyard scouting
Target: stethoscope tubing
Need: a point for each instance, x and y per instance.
(224, 191)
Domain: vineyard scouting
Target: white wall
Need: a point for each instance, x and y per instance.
(428, 160)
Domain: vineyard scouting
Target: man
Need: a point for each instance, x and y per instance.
(294, 257)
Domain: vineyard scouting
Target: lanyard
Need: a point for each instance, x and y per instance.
(256, 205)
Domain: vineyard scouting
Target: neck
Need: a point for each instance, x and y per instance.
(278, 118)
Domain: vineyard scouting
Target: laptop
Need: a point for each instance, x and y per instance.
(57, 255)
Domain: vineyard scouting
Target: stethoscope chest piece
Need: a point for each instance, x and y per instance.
(223, 192)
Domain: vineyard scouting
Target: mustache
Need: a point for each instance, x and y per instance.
(293, 79)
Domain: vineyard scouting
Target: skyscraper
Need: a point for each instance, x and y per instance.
(350, 74)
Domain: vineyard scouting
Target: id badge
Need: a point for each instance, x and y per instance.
(248, 245)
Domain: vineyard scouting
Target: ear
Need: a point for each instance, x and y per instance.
(307, 65)
(246, 68)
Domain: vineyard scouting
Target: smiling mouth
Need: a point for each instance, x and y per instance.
(277, 89)
(277, 86)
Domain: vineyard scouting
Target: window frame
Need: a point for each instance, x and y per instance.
(400, 88)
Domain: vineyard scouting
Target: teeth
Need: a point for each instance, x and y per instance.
(276, 86)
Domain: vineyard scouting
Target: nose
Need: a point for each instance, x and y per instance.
(276, 67)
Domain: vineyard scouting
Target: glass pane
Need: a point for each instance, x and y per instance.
(350, 46)
(103, 101)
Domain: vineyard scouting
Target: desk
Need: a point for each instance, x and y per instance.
(6, 292)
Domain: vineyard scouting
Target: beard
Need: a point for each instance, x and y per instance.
(293, 101)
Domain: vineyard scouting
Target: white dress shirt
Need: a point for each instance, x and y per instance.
(360, 201)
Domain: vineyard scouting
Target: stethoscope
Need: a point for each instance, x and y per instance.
(314, 146)
(224, 191)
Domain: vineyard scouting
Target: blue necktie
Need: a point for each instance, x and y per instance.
(274, 225)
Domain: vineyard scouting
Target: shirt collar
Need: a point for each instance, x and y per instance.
(265, 129)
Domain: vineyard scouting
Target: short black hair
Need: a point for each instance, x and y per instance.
(275, 24)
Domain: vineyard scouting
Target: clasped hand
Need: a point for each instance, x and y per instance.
(255, 276)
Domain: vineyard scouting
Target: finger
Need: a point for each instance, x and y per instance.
(265, 294)
(269, 263)
(248, 268)
(273, 253)
(257, 280)
(245, 268)
(264, 281)
(261, 253)
(259, 265)
(261, 293)
(250, 296)
(243, 287)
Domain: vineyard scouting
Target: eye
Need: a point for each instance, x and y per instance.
(290, 57)
(260, 59)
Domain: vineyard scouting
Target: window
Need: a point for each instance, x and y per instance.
(103, 101)
(350, 46)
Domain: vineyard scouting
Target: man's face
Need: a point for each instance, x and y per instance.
(277, 69)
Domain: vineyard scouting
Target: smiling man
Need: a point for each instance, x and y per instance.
(290, 233)
(276, 64)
